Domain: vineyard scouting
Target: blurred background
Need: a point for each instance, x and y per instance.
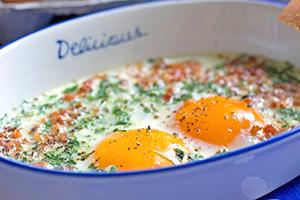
(22, 17)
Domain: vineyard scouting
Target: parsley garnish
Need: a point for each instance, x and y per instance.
(222, 150)
(154, 93)
(284, 74)
(46, 127)
(60, 157)
(195, 156)
(122, 117)
(92, 167)
(70, 89)
(105, 87)
(289, 113)
(179, 154)
(197, 87)
(111, 169)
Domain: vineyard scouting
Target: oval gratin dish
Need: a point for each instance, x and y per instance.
(64, 52)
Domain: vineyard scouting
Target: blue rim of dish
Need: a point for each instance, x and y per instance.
(96, 174)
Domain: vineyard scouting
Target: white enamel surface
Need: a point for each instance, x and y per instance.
(30, 66)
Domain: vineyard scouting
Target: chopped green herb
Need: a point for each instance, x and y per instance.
(102, 90)
(285, 126)
(122, 117)
(285, 74)
(222, 150)
(70, 89)
(146, 110)
(182, 98)
(195, 156)
(179, 154)
(111, 169)
(105, 87)
(60, 157)
(220, 66)
(154, 93)
(289, 113)
(92, 167)
(57, 159)
(85, 156)
(221, 90)
(83, 123)
(151, 60)
(44, 108)
(73, 145)
(118, 130)
(46, 127)
(99, 130)
(197, 87)
(51, 97)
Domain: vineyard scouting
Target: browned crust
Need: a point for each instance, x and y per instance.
(291, 14)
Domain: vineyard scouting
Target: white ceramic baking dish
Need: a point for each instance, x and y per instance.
(96, 42)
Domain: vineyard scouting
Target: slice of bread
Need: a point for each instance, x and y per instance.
(291, 14)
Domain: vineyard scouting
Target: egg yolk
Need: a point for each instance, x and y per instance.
(216, 120)
(137, 149)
